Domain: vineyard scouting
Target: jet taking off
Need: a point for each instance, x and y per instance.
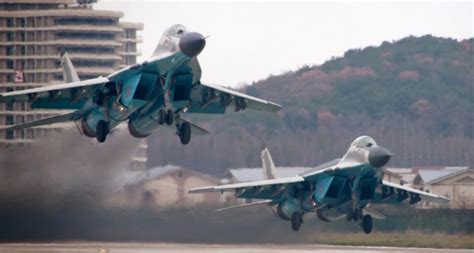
(149, 94)
(341, 188)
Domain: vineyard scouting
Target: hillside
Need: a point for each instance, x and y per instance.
(415, 96)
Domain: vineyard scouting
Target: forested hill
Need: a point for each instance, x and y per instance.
(415, 96)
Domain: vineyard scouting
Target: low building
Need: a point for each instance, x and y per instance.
(392, 177)
(166, 186)
(407, 174)
(456, 183)
(240, 175)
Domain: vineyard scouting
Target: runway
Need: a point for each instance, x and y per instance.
(97, 247)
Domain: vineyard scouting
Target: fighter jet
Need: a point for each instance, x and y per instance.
(345, 187)
(147, 95)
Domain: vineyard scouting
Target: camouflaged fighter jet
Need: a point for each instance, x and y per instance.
(149, 94)
(345, 187)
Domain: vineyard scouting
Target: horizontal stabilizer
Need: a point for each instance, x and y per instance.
(46, 121)
(268, 201)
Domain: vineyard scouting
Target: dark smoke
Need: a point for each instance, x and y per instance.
(63, 168)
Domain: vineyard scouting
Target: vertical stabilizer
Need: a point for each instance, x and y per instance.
(69, 72)
(269, 170)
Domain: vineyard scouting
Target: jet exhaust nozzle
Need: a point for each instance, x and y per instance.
(192, 43)
(378, 157)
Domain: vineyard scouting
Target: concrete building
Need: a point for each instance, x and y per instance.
(34, 33)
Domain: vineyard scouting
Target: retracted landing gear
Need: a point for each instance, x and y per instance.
(367, 224)
(296, 220)
(102, 130)
(184, 132)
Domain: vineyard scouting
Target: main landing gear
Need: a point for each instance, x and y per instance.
(184, 132)
(102, 130)
(365, 220)
(166, 117)
(366, 224)
(296, 220)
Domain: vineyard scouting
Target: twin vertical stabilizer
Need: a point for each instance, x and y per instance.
(269, 170)
(69, 72)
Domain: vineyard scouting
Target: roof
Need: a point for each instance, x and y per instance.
(400, 170)
(388, 172)
(254, 174)
(136, 177)
(434, 176)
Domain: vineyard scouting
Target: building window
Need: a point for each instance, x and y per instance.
(9, 64)
(10, 22)
(21, 22)
(9, 50)
(9, 78)
(9, 120)
(10, 36)
(9, 105)
(9, 135)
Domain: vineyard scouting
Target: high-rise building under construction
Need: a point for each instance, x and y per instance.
(34, 34)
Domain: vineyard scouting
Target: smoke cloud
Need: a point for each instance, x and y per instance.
(64, 167)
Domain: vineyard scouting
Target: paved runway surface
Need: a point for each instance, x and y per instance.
(97, 247)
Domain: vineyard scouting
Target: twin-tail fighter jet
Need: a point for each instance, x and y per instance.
(149, 94)
(345, 187)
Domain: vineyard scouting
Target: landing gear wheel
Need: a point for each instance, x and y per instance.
(169, 117)
(367, 224)
(102, 130)
(161, 117)
(296, 220)
(185, 133)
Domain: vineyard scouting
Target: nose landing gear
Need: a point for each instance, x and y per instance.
(296, 220)
(102, 131)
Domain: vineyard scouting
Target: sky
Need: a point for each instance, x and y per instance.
(249, 41)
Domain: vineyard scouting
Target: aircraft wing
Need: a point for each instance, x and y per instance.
(46, 121)
(239, 187)
(424, 195)
(250, 102)
(57, 96)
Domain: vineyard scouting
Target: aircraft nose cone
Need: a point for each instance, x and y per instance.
(192, 43)
(379, 156)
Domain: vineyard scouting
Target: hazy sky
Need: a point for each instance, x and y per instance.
(251, 40)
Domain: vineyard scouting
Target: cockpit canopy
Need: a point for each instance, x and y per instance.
(175, 31)
(364, 142)
(169, 40)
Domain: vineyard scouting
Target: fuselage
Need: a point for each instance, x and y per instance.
(140, 91)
